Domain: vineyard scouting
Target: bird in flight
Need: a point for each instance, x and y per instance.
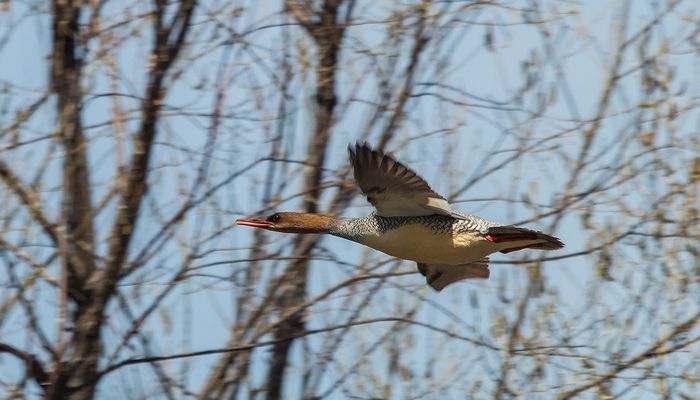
(413, 222)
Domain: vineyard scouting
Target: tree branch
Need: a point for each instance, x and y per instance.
(33, 366)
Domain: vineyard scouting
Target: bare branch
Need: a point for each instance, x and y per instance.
(34, 368)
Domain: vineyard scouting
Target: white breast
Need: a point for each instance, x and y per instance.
(419, 243)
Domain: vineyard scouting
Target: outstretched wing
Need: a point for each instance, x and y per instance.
(392, 188)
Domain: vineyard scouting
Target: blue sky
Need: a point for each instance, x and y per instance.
(460, 88)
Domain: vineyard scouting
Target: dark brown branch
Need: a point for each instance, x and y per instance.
(75, 247)
(420, 40)
(328, 35)
(300, 334)
(164, 53)
(34, 368)
(86, 340)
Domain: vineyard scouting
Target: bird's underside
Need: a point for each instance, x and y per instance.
(448, 255)
(507, 238)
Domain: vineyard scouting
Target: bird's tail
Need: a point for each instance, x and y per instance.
(502, 234)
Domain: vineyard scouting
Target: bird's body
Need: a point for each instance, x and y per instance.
(413, 223)
(431, 239)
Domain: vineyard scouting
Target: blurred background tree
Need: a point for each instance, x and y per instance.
(133, 134)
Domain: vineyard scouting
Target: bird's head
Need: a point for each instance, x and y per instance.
(291, 222)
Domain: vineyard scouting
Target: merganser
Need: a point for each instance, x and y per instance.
(413, 222)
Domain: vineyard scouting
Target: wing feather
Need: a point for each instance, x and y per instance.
(439, 276)
(392, 188)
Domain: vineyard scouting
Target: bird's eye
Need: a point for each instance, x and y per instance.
(275, 218)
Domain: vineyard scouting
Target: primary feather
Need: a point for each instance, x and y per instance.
(392, 188)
